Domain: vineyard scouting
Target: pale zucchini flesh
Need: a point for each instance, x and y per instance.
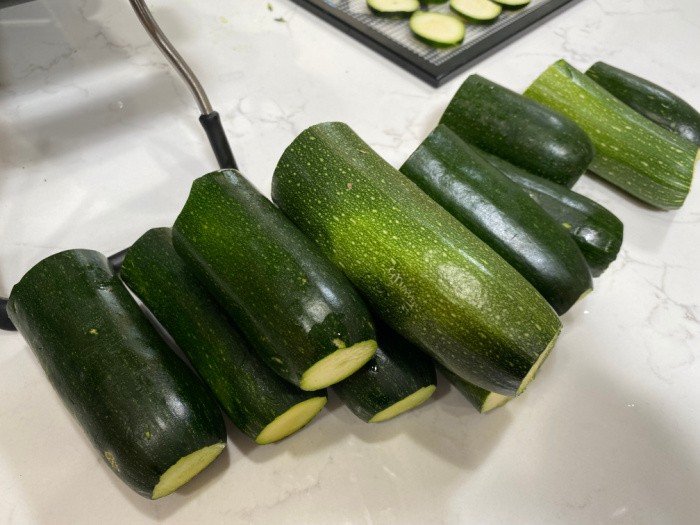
(414, 400)
(393, 7)
(437, 29)
(478, 10)
(292, 420)
(337, 366)
(185, 469)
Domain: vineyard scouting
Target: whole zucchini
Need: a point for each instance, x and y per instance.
(398, 378)
(422, 271)
(632, 152)
(520, 130)
(148, 415)
(483, 400)
(652, 101)
(596, 230)
(298, 311)
(502, 215)
(259, 402)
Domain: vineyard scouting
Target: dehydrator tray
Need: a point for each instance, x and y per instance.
(392, 37)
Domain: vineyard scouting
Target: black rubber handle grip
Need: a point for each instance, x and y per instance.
(217, 138)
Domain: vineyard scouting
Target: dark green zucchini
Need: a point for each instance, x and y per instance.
(151, 419)
(259, 402)
(652, 101)
(522, 131)
(483, 400)
(647, 161)
(398, 378)
(502, 215)
(595, 229)
(422, 272)
(298, 311)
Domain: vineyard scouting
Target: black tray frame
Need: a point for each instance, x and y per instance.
(434, 75)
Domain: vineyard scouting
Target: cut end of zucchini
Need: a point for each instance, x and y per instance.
(337, 366)
(533, 371)
(476, 10)
(407, 403)
(393, 7)
(493, 401)
(291, 421)
(185, 469)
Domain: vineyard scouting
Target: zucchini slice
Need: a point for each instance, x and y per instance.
(422, 272)
(437, 29)
(297, 309)
(654, 102)
(151, 419)
(398, 378)
(502, 215)
(632, 152)
(259, 402)
(393, 7)
(512, 4)
(526, 133)
(476, 10)
(596, 230)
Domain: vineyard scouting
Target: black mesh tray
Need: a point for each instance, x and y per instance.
(393, 39)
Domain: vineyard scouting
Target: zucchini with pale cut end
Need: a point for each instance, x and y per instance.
(393, 7)
(259, 402)
(437, 29)
(647, 161)
(476, 10)
(294, 307)
(422, 272)
(596, 230)
(151, 419)
(501, 214)
(526, 133)
(483, 400)
(398, 378)
(651, 100)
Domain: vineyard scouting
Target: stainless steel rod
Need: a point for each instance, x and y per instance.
(151, 26)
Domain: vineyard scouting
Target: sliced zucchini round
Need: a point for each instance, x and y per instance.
(513, 3)
(393, 7)
(437, 29)
(476, 10)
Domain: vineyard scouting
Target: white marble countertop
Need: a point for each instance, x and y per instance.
(99, 141)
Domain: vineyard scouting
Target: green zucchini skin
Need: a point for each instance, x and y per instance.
(140, 405)
(596, 230)
(640, 157)
(250, 393)
(289, 301)
(420, 270)
(520, 130)
(502, 215)
(654, 102)
(397, 370)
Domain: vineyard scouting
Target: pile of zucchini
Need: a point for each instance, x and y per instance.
(359, 278)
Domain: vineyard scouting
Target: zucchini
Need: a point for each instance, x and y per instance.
(502, 215)
(421, 271)
(640, 157)
(398, 378)
(596, 230)
(261, 404)
(393, 7)
(144, 410)
(483, 400)
(654, 102)
(512, 4)
(476, 10)
(298, 311)
(437, 29)
(522, 131)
